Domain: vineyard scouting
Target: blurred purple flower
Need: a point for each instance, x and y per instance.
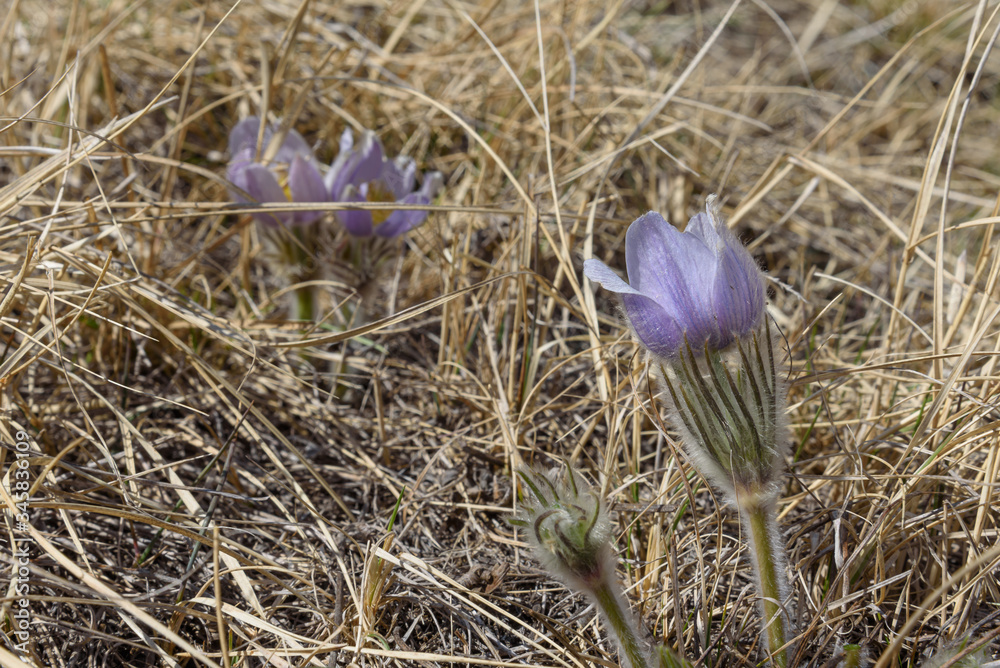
(291, 176)
(363, 174)
(697, 288)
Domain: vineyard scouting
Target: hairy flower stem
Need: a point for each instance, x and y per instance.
(305, 309)
(301, 266)
(852, 657)
(769, 561)
(621, 625)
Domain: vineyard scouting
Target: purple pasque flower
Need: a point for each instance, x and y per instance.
(292, 175)
(697, 288)
(363, 174)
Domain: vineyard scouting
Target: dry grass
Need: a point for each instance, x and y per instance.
(212, 486)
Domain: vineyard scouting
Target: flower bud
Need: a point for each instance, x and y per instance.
(568, 526)
(569, 529)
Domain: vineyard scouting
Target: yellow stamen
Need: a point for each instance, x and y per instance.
(282, 174)
(379, 193)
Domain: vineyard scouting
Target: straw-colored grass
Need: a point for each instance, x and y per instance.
(210, 485)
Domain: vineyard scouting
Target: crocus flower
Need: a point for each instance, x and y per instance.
(363, 174)
(697, 288)
(696, 301)
(291, 176)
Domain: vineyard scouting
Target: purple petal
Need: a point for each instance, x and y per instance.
(399, 176)
(346, 142)
(739, 293)
(358, 222)
(261, 185)
(370, 160)
(402, 221)
(359, 166)
(676, 270)
(432, 183)
(240, 161)
(703, 227)
(244, 135)
(293, 146)
(235, 176)
(601, 273)
(306, 185)
(334, 183)
(654, 327)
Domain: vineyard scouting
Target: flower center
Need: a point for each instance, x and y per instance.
(280, 172)
(378, 192)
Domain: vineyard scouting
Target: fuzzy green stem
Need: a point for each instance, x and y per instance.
(305, 305)
(852, 656)
(296, 257)
(768, 556)
(621, 625)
